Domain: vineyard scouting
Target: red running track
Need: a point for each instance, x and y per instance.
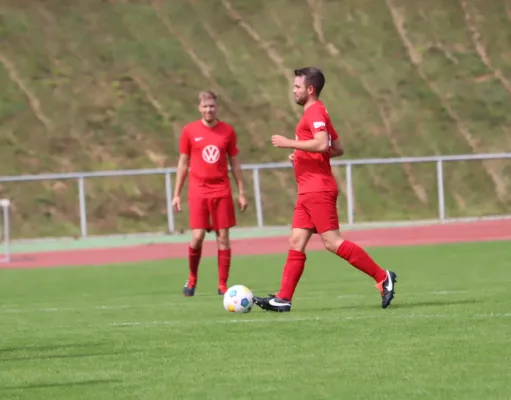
(397, 236)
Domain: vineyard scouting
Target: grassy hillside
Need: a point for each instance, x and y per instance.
(108, 84)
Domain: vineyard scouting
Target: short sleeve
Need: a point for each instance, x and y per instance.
(184, 143)
(232, 149)
(317, 122)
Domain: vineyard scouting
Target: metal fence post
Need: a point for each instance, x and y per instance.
(83, 206)
(5, 204)
(440, 186)
(168, 198)
(7, 232)
(257, 197)
(349, 194)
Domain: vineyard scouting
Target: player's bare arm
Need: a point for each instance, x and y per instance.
(317, 145)
(182, 173)
(238, 178)
(336, 149)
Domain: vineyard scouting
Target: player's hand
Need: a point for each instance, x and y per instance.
(292, 158)
(242, 201)
(279, 141)
(176, 203)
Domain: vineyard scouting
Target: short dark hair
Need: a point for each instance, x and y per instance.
(313, 77)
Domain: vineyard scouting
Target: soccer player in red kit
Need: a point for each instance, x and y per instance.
(206, 147)
(316, 207)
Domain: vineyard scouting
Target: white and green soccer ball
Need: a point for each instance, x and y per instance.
(238, 299)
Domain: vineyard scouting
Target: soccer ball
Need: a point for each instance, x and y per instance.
(238, 299)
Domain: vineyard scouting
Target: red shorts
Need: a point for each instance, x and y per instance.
(316, 211)
(214, 213)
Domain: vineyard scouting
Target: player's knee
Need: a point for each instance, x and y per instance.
(332, 244)
(198, 236)
(223, 240)
(297, 243)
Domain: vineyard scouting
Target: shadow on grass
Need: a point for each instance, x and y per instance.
(395, 305)
(49, 347)
(62, 384)
(442, 303)
(58, 356)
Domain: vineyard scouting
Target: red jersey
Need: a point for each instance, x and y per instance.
(312, 170)
(208, 149)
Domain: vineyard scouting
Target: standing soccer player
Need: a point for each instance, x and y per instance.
(316, 207)
(206, 147)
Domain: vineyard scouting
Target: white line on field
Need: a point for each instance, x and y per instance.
(493, 315)
(448, 292)
(13, 309)
(285, 319)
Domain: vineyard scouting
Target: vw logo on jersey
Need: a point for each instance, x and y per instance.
(211, 154)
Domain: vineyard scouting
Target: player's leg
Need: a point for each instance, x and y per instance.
(199, 223)
(295, 262)
(223, 218)
(323, 210)
(302, 230)
(224, 259)
(358, 258)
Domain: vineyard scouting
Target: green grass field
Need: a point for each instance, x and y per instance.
(101, 85)
(125, 332)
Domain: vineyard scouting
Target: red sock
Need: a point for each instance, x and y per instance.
(357, 257)
(194, 256)
(224, 265)
(292, 273)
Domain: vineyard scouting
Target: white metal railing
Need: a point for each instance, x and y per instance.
(255, 168)
(5, 230)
